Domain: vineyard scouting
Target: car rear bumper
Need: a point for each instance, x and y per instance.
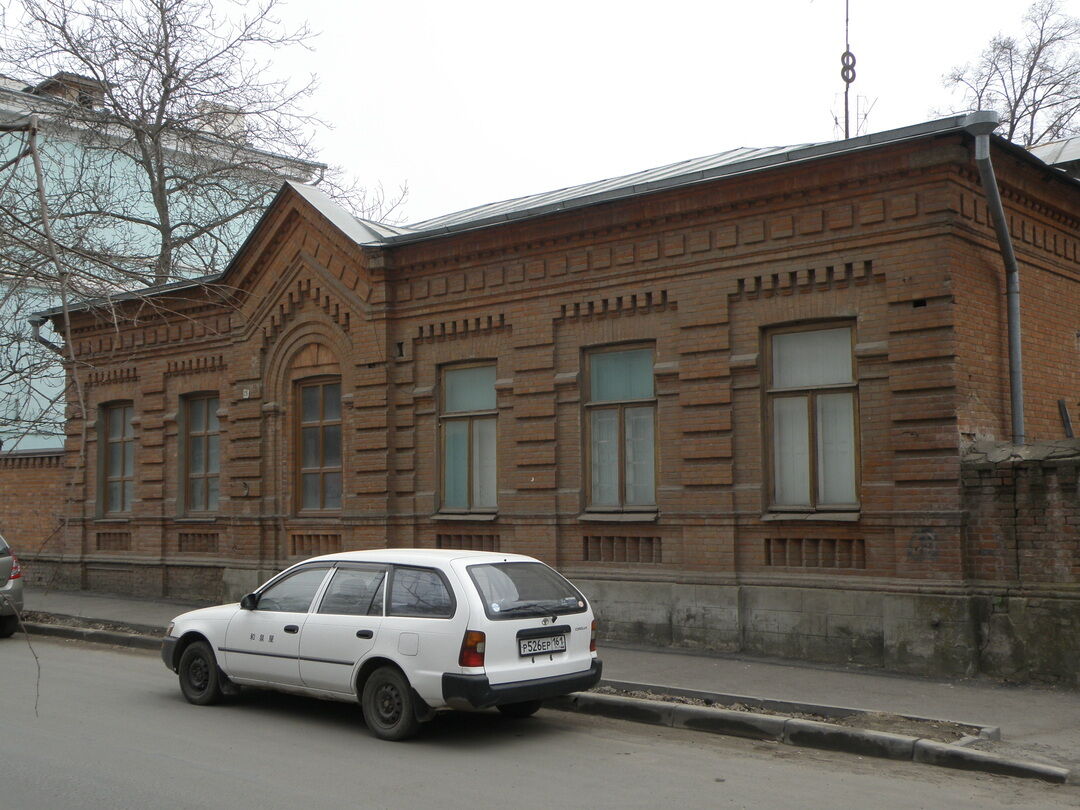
(475, 691)
(11, 597)
(168, 651)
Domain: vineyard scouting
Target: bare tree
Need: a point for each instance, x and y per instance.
(1032, 82)
(163, 133)
(174, 117)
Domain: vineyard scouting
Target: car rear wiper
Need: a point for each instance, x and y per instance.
(538, 607)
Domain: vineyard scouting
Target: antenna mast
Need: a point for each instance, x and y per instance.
(847, 72)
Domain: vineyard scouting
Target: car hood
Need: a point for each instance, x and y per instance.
(215, 613)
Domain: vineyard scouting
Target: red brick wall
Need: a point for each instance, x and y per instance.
(1023, 520)
(32, 488)
(1045, 231)
(890, 240)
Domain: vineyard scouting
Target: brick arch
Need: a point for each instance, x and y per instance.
(313, 347)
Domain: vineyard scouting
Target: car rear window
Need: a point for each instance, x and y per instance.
(4, 550)
(515, 590)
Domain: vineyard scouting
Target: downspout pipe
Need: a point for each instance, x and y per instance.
(36, 325)
(981, 124)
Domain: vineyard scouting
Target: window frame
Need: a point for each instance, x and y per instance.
(104, 444)
(186, 434)
(325, 567)
(588, 406)
(363, 567)
(811, 393)
(388, 596)
(299, 470)
(470, 417)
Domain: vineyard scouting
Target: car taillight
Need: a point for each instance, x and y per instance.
(472, 649)
(592, 638)
(16, 569)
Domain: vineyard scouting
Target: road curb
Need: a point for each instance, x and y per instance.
(931, 752)
(979, 731)
(807, 733)
(137, 640)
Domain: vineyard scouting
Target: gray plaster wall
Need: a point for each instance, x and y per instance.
(919, 633)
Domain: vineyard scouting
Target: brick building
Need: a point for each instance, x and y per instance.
(730, 397)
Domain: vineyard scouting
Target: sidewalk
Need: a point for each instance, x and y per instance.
(1037, 723)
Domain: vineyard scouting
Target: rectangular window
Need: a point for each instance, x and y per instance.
(621, 424)
(812, 419)
(119, 466)
(467, 422)
(202, 456)
(319, 445)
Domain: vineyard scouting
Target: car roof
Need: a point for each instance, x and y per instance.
(420, 556)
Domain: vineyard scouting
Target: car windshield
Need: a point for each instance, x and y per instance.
(514, 590)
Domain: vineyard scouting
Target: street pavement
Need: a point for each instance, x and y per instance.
(111, 730)
(1040, 724)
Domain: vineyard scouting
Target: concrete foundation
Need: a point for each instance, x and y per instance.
(919, 633)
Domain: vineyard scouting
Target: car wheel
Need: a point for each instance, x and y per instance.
(8, 625)
(388, 705)
(527, 708)
(199, 679)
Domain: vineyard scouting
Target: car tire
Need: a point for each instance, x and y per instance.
(388, 705)
(8, 626)
(199, 678)
(526, 708)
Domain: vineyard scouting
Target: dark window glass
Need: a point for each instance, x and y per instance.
(354, 592)
(514, 590)
(419, 592)
(203, 462)
(294, 593)
(119, 457)
(320, 446)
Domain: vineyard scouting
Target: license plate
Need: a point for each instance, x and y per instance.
(539, 646)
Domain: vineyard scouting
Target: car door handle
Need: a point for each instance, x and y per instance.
(364, 634)
(292, 628)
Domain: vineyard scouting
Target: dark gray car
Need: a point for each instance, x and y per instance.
(11, 590)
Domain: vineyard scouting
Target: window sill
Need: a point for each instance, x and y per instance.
(200, 519)
(465, 516)
(619, 517)
(835, 517)
(111, 519)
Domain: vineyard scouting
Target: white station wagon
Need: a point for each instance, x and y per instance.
(404, 631)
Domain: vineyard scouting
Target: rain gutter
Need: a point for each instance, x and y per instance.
(981, 129)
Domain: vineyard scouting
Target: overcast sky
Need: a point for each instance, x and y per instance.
(471, 102)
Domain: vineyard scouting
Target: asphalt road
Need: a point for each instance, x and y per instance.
(112, 731)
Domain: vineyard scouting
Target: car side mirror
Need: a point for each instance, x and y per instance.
(249, 602)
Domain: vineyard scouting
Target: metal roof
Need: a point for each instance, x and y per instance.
(599, 187)
(684, 173)
(1058, 152)
(361, 231)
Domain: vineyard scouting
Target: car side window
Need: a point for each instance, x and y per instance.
(294, 593)
(354, 592)
(419, 592)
